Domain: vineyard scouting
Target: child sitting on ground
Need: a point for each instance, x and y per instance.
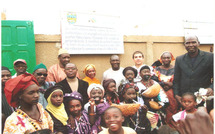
(96, 106)
(139, 122)
(78, 122)
(55, 107)
(188, 101)
(113, 118)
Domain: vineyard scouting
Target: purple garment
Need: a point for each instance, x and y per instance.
(100, 108)
(82, 126)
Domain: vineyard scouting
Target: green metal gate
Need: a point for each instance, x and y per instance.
(18, 42)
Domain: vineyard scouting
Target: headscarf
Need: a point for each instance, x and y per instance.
(172, 57)
(107, 82)
(95, 86)
(17, 84)
(58, 112)
(41, 65)
(87, 67)
(127, 86)
(130, 68)
(74, 96)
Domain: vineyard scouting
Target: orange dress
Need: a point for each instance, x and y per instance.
(90, 81)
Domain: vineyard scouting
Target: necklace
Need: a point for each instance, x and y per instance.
(26, 116)
(147, 84)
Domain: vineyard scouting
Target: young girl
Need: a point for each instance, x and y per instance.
(113, 118)
(188, 101)
(78, 122)
(96, 106)
(130, 73)
(110, 91)
(55, 107)
(139, 122)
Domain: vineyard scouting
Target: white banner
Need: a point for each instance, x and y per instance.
(85, 33)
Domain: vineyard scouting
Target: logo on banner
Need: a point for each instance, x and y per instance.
(71, 18)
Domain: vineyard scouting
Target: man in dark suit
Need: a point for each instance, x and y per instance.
(71, 83)
(193, 70)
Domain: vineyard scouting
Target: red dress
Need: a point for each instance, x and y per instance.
(167, 76)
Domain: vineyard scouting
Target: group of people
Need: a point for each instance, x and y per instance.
(165, 95)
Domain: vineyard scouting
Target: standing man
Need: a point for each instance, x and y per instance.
(72, 83)
(193, 70)
(115, 72)
(56, 72)
(40, 73)
(20, 66)
(138, 59)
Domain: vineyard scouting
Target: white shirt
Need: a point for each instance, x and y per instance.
(116, 75)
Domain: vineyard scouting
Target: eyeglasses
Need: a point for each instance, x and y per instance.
(40, 74)
(6, 75)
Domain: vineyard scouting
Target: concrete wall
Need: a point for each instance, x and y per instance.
(47, 47)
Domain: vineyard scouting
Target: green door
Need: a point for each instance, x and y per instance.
(18, 42)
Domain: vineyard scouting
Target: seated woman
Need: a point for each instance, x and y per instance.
(90, 72)
(23, 92)
(55, 107)
(165, 74)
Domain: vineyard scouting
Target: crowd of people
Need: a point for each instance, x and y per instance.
(139, 99)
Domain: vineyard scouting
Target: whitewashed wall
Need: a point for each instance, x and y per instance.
(138, 17)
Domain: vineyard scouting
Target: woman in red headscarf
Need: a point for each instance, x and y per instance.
(165, 74)
(23, 92)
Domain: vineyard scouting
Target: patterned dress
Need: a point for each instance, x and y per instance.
(167, 76)
(19, 122)
(82, 125)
